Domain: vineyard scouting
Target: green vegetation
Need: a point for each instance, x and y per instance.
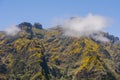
(39, 54)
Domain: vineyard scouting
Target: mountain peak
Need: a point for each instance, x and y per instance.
(36, 53)
(28, 26)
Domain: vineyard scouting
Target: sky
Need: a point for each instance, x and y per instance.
(13, 12)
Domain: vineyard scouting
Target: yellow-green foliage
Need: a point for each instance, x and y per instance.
(9, 60)
(75, 47)
(89, 62)
(39, 55)
(25, 59)
(20, 44)
(2, 35)
(85, 63)
(50, 53)
(54, 58)
(38, 76)
(3, 41)
(38, 31)
(90, 47)
(31, 45)
(52, 32)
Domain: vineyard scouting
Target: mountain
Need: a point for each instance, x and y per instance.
(35, 53)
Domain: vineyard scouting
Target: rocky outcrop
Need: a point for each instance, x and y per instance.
(37, 25)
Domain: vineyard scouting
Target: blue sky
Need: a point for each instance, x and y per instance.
(45, 11)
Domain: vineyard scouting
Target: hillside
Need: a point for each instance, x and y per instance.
(36, 53)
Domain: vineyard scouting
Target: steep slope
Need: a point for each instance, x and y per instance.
(80, 58)
(39, 54)
(22, 58)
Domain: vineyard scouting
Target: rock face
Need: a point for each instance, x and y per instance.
(37, 25)
(29, 26)
(25, 26)
(112, 38)
(39, 54)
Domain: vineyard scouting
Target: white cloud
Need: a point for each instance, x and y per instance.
(12, 31)
(85, 26)
(100, 37)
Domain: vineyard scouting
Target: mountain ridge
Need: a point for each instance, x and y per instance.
(35, 53)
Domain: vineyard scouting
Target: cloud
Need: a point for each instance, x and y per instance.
(85, 26)
(12, 31)
(100, 37)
